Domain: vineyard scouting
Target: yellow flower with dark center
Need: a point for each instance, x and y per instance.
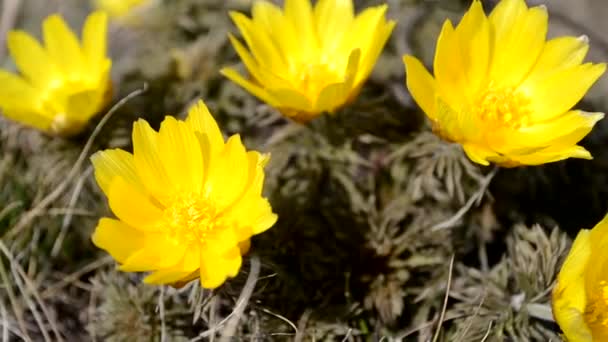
(119, 8)
(187, 202)
(504, 92)
(305, 61)
(65, 83)
(580, 297)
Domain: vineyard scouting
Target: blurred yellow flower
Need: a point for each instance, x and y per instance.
(305, 61)
(503, 91)
(187, 203)
(64, 83)
(119, 8)
(580, 297)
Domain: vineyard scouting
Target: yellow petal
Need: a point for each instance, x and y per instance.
(254, 89)
(117, 238)
(569, 299)
(94, 40)
(478, 154)
(449, 73)
(147, 161)
(558, 54)
(280, 30)
(227, 176)
(221, 241)
(200, 120)
(248, 60)
(598, 242)
(564, 131)
(519, 38)
(63, 46)
(215, 268)
(259, 43)
(473, 34)
(20, 102)
(32, 60)
(158, 252)
(299, 12)
(560, 91)
(109, 164)
(180, 154)
(180, 271)
(133, 207)
(369, 32)
(332, 19)
(335, 95)
(421, 85)
(290, 98)
(551, 155)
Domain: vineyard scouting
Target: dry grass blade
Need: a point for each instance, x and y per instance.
(445, 300)
(46, 201)
(32, 289)
(231, 326)
(14, 303)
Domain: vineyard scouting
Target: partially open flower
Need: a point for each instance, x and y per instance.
(187, 203)
(305, 61)
(502, 91)
(580, 297)
(63, 84)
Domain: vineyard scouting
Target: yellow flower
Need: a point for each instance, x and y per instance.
(305, 61)
(580, 297)
(187, 203)
(64, 83)
(503, 91)
(119, 8)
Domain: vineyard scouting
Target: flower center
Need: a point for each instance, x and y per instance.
(310, 79)
(596, 312)
(504, 106)
(191, 219)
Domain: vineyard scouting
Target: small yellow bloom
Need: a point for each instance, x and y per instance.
(187, 203)
(64, 83)
(305, 61)
(504, 92)
(580, 297)
(119, 8)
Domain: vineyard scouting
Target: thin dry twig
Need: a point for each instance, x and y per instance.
(485, 337)
(27, 217)
(14, 304)
(161, 310)
(52, 290)
(470, 319)
(34, 291)
(445, 300)
(231, 326)
(283, 319)
(67, 219)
